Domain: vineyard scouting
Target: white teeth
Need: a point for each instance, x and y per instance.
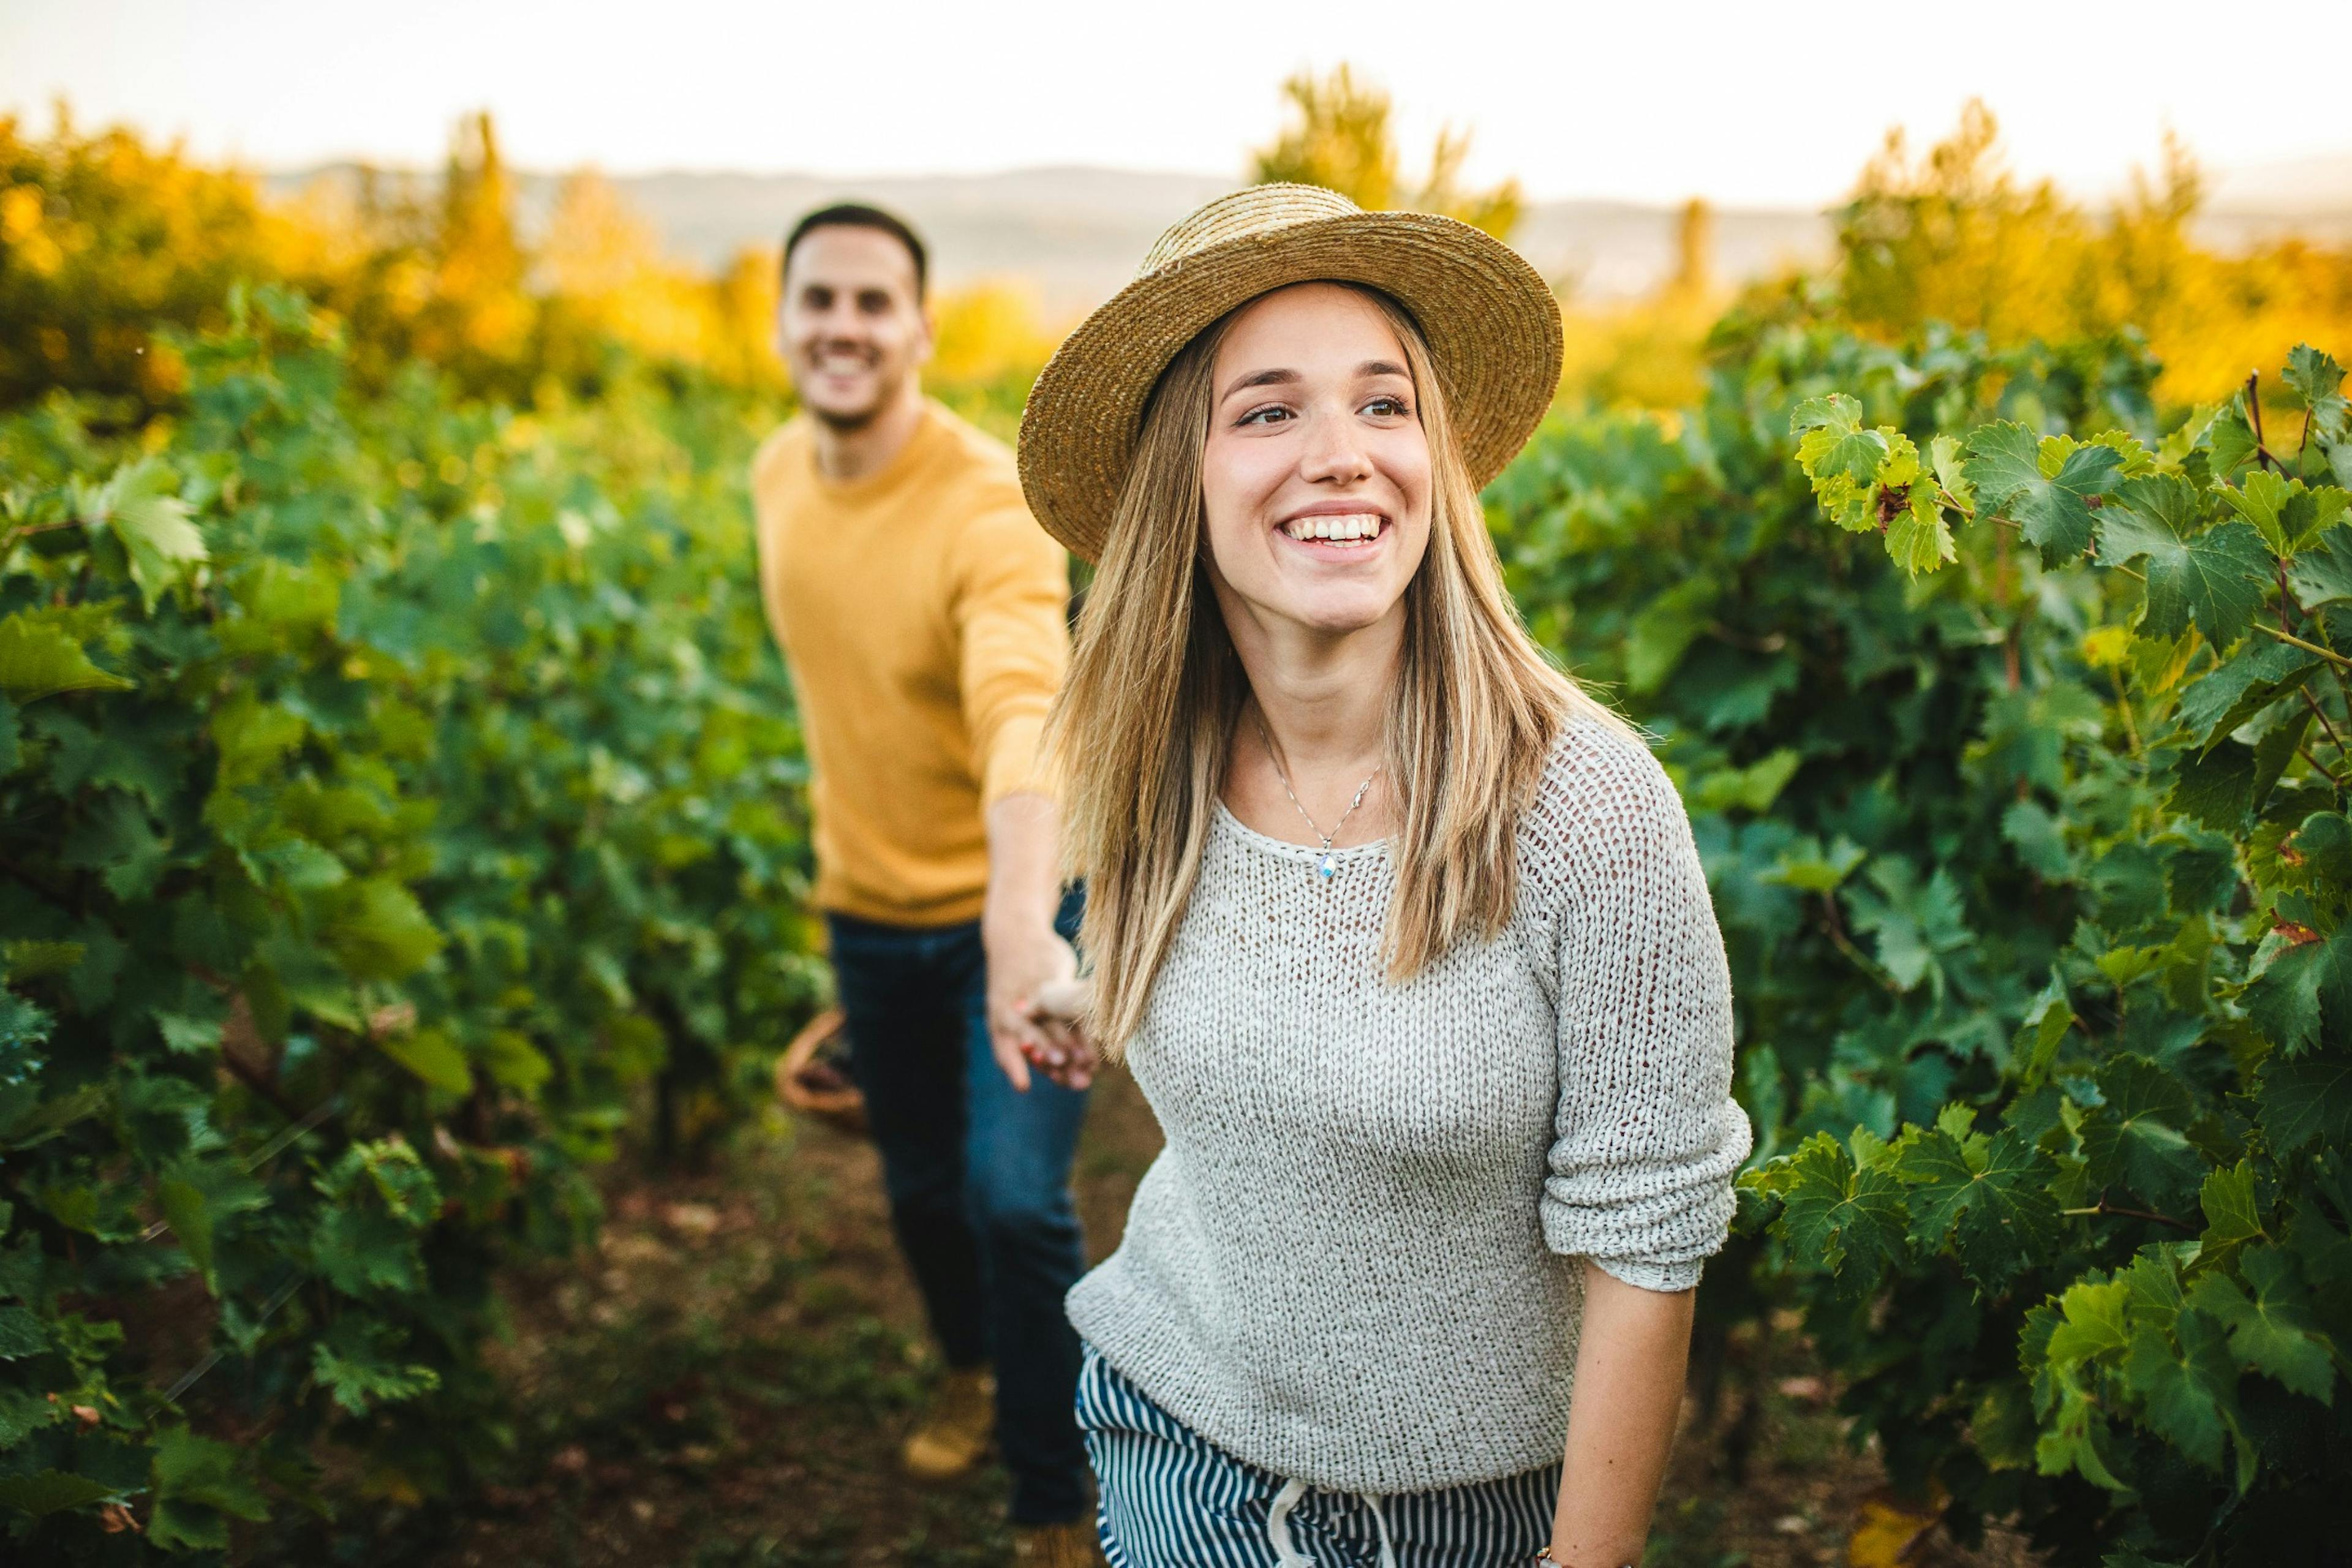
(1339, 530)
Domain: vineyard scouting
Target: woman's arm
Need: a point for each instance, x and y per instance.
(1621, 1426)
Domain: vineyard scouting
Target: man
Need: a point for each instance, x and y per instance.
(921, 611)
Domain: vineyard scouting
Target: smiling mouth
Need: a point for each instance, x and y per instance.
(1342, 530)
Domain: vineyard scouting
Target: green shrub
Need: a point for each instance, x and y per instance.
(391, 791)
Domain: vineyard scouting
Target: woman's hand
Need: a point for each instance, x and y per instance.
(1058, 1011)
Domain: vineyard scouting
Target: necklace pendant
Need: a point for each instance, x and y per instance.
(1324, 867)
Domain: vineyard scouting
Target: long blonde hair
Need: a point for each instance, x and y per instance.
(1138, 739)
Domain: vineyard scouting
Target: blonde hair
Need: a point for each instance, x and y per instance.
(1138, 740)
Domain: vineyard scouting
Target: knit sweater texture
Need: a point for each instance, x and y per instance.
(1354, 1261)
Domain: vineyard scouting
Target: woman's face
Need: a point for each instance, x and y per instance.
(1317, 471)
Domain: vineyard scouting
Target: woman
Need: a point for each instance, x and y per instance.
(1403, 937)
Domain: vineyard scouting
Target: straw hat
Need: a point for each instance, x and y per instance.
(1493, 329)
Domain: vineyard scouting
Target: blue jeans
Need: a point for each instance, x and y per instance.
(979, 1179)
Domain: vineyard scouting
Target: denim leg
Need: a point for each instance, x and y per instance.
(906, 1011)
(1018, 1148)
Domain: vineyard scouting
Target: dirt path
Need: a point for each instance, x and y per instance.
(725, 1384)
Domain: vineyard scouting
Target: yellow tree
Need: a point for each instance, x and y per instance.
(1340, 137)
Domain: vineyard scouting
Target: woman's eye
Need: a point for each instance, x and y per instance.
(1387, 408)
(1271, 414)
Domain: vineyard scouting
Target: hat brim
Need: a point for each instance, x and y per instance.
(1493, 327)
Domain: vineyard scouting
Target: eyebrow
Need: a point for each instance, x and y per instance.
(1277, 377)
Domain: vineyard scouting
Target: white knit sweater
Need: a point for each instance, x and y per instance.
(1351, 1264)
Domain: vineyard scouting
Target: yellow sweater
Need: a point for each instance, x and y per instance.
(921, 611)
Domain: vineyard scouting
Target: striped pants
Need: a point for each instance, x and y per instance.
(1170, 1499)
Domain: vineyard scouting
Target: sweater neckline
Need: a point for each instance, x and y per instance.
(1283, 847)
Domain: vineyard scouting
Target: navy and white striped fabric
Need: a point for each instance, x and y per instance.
(1170, 1499)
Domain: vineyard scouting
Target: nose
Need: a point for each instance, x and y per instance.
(1334, 451)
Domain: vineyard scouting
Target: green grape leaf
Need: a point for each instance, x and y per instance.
(432, 1056)
(513, 1062)
(2219, 701)
(2316, 379)
(1664, 629)
(1836, 1212)
(2260, 500)
(2310, 513)
(197, 1480)
(141, 505)
(2040, 842)
(2306, 1101)
(2135, 1139)
(2322, 573)
(2270, 1330)
(2283, 1003)
(2188, 1389)
(351, 1367)
(52, 1491)
(2214, 788)
(40, 658)
(191, 1222)
(1996, 1205)
(1918, 538)
(1809, 868)
(1944, 456)
(2232, 1219)
(2229, 439)
(1831, 441)
(2219, 578)
(21, 1334)
(2092, 1323)
(2056, 512)
(377, 929)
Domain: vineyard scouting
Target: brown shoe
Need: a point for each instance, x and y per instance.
(1071, 1545)
(955, 1428)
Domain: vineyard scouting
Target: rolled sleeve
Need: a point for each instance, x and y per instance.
(1012, 587)
(1648, 1138)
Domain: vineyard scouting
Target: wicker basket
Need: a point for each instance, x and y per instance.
(812, 1075)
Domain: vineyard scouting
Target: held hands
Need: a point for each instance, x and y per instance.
(1059, 1012)
(1035, 1001)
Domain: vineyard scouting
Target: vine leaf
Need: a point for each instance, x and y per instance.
(2322, 573)
(2244, 686)
(1849, 1217)
(2306, 1101)
(2316, 379)
(2054, 509)
(2219, 578)
(2269, 1329)
(1991, 1197)
(40, 658)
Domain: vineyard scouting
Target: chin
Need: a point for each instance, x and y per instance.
(1340, 614)
(842, 414)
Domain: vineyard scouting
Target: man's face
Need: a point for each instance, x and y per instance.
(851, 328)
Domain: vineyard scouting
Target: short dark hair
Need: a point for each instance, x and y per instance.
(857, 215)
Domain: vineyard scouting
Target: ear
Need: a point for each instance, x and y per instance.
(927, 337)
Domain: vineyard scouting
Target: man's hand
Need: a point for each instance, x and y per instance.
(1027, 959)
(1023, 961)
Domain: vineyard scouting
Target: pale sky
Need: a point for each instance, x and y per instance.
(1757, 103)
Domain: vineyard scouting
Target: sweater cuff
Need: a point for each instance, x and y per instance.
(1013, 765)
(1664, 1278)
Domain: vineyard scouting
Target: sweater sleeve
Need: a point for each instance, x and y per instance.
(1646, 1138)
(1011, 590)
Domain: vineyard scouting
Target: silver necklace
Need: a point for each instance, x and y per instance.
(1323, 865)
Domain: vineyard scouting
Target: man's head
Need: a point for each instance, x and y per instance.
(853, 325)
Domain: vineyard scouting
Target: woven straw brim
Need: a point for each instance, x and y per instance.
(1493, 327)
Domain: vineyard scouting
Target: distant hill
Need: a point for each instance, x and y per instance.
(1075, 234)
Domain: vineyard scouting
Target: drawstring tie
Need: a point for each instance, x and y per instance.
(1285, 1551)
